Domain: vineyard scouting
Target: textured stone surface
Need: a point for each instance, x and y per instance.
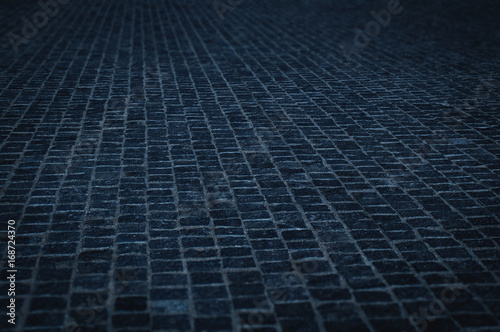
(172, 170)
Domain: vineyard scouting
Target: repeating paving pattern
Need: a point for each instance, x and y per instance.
(251, 165)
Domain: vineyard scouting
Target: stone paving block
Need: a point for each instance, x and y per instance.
(221, 165)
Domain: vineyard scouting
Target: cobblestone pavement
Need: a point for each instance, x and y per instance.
(251, 165)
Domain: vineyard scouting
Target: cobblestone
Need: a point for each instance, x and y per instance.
(224, 166)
